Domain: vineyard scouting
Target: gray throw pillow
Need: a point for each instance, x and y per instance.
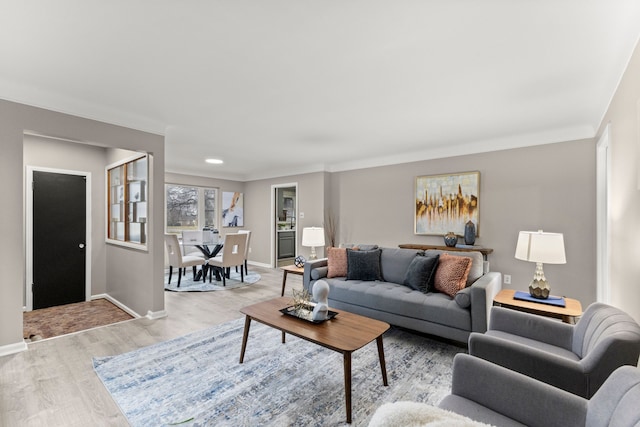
(420, 273)
(463, 297)
(363, 265)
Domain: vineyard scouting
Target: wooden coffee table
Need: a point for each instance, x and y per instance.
(345, 333)
(568, 314)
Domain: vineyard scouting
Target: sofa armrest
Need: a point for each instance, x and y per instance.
(483, 291)
(309, 266)
(532, 326)
(516, 396)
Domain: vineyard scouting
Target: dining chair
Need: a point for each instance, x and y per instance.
(246, 249)
(232, 255)
(176, 259)
(191, 238)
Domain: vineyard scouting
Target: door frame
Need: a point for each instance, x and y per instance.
(603, 217)
(28, 289)
(272, 223)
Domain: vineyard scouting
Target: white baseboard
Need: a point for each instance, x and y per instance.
(259, 264)
(8, 349)
(116, 303)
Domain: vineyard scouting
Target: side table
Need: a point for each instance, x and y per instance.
(290, 269)
(568, 314)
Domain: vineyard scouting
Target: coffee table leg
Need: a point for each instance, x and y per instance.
(284, 281)
(383, 365)
(245, 336)
(347, 384)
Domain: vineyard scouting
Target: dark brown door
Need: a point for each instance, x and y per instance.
(59, 239)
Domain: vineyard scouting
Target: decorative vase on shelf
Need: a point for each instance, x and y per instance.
(469, 233)
(450, 239)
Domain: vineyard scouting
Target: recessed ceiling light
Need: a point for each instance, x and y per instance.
(214, 161)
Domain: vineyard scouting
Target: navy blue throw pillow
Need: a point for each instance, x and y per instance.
(363, 265)
(420, 273)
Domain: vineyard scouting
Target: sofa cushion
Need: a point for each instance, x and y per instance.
(420, 273)
(363, 265)
(477, 266)
(400, 300)
(336, 262)
(451, 274)
(394, 263)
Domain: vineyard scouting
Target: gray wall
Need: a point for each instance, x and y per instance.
(549, 187)
(624, 117)
(133, 277)
(257, 211)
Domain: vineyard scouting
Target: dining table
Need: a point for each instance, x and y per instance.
(209, 249)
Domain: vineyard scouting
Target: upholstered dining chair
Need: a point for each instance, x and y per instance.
(190, 238)
(176, 259)
(576, 358)
(246, 249)
(232, 255)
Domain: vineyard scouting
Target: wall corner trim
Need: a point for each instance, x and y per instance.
(152, 315)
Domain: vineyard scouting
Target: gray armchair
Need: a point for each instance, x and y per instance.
(576, 358)
(491, 394)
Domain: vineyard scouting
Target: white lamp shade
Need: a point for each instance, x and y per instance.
(313, 236)
(538, 246)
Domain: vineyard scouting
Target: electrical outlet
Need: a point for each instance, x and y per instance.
(301, 215)
(249, 249)
(507, 279)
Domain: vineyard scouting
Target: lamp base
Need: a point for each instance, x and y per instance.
(539, 289)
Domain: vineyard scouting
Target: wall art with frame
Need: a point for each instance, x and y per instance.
(232, 209)
(444, 203)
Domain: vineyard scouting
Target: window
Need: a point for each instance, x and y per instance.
(190, 208)
(127, 201)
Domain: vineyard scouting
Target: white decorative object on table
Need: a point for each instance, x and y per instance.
(321, 296)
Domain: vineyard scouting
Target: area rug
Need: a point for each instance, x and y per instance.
(65, 319)
(187, 284)
(197, 380)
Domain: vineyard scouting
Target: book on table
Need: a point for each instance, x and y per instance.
(552, 300)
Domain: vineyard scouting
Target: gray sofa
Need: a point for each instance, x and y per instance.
(391, 301)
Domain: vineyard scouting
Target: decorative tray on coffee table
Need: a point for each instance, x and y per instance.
(306, 313)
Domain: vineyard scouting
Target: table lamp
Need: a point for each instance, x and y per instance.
(313, 236)
(541, 248)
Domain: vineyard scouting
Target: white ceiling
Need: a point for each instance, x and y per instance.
(281, 87)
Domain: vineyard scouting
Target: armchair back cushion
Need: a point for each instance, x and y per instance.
(598, 325)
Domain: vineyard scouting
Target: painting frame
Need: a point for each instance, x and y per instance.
(232, 209)
(444, 203)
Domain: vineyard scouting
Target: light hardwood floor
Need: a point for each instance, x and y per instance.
(53, 383)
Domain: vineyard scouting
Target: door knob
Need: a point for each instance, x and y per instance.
(81, 245)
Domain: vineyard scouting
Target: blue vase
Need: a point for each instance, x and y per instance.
(469, 233)
(450, 239)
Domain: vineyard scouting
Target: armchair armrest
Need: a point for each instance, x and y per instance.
(532, 326)
(516, 396)
(309, 266)
(555, 369)
(482, 292)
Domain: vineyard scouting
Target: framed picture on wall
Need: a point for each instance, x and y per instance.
(232, 209)
(444, 203)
